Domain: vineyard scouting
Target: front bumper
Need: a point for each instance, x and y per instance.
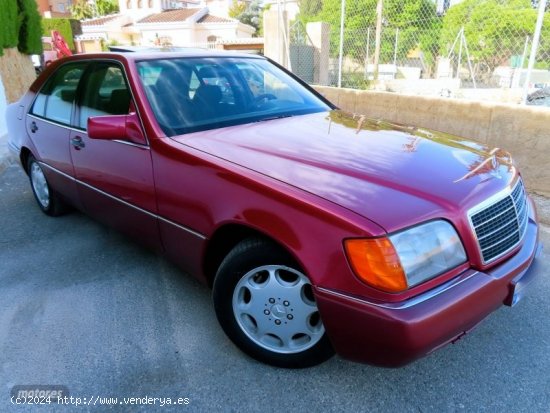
(395, 334)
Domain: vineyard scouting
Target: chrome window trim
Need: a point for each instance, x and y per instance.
(51, 122)
(184, 228)
(71, 127)
(137, 145)
(30, 107)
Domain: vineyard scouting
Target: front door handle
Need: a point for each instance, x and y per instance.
(78, 143)
(33, 127)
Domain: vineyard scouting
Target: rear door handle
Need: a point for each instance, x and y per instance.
(78, 143)
(34, 127)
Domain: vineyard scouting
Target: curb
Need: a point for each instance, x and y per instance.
(543, 208)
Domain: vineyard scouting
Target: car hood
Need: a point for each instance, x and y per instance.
(391, 174)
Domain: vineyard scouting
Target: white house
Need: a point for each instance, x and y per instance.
(162, 22)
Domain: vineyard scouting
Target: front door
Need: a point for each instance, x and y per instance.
(114, 177)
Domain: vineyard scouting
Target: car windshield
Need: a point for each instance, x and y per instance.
(194, 94)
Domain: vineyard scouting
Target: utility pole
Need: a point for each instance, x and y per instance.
(534, 48)
(379, 8)
(341, 47)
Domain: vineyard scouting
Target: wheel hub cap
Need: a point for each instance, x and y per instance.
(274, 306)
(278, 311)
(40, 185)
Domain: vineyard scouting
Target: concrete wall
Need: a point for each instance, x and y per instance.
(522, 130)
(275, 26)
(319, 34)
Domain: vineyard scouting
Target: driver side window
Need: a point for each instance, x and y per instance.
(105, 93)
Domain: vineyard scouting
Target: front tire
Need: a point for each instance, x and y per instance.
(48, 200)
(265, 304)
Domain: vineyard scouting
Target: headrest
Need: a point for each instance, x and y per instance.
(209, 94)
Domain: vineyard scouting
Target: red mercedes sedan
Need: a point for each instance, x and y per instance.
(319, 231)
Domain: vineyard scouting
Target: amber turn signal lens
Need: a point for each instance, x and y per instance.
(376, 263)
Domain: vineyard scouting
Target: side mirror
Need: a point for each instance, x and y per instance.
(112, 127)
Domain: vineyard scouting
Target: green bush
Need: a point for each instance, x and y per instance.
(63, 26)
(20, 26)
(30, 32)
(9, 24)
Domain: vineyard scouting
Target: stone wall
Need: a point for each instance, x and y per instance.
(17, 73)
(524, 131)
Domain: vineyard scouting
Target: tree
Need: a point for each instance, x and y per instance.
(81, 10)
(9, 24)
(416, 20)
(30, 31)
(105, 7)
(247, 13)
(84, 9)
(495, 30)
(236, 9)
(309, 7)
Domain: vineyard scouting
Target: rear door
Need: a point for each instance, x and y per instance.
(48, 125)
(115, 177)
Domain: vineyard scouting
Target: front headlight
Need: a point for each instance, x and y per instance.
(406, 258)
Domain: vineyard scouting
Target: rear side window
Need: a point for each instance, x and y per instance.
(104, 92)
(55, 101)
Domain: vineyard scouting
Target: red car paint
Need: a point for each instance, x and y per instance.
(308, 182)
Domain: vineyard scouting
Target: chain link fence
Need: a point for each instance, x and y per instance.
(430, 47)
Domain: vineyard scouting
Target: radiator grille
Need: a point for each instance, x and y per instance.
(500, 226)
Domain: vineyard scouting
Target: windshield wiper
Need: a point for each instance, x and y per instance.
(273, 118)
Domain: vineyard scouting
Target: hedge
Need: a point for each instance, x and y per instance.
(9, 25)
(20, 26)
(68, 28)
(30, 32)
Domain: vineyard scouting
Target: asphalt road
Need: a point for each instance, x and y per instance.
(83, 307)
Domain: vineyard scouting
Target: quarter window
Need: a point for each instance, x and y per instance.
(55, 100)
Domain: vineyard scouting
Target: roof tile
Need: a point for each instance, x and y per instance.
(170, 16)
(214, 19)
(99, 21)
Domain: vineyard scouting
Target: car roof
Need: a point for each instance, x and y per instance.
(159, 54)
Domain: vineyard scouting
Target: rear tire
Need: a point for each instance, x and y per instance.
(47, 199)
(265, 305)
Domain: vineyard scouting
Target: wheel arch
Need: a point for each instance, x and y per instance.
(225, 238)
(24, 158)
